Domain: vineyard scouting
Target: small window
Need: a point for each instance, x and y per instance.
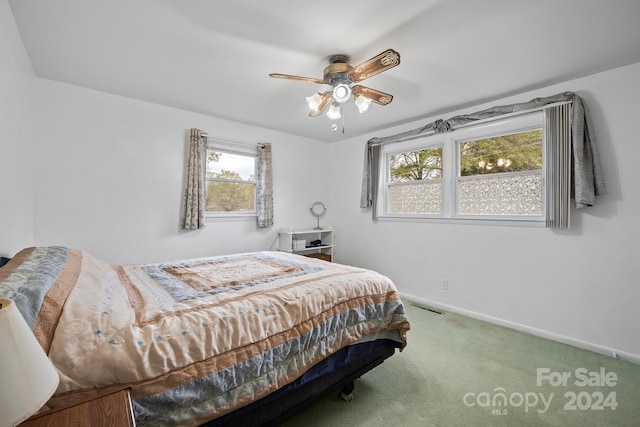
(415, 182)
(231, 182)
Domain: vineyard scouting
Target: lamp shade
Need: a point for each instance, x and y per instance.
(27, 377)
(362, 103)
(334, 111)
(314, 101)
(341, 93)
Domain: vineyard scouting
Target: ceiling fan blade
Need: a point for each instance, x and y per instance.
(376, 96)
(289, 77)
(379, 63)
(326, 98)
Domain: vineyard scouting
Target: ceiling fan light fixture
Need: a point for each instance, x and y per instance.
(341, 93)
(362, 103)
(334, 111)
(313, 101)
(344, 80)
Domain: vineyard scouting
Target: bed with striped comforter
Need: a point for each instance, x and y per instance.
(194, 339)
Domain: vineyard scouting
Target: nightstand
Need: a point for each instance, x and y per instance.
(298, 242)
(113, 410)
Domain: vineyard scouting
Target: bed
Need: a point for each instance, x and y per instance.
(243, 339)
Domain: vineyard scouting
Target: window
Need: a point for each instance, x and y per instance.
(488, 171)
(231, 180)
(415, 182)
(501, 175)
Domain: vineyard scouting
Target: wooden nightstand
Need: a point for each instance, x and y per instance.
(113, 410)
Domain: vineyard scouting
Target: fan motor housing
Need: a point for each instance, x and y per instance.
(337, 71)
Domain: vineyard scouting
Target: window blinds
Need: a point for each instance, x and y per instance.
(558, 166)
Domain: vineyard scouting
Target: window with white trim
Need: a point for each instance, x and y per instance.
(231, 179)
(493, 170)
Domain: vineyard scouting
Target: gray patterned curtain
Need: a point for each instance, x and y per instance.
(264, 187)
(370, 178)
(194, 194)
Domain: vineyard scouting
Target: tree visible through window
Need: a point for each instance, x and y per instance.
(507, 153)
(415, 182)
(231, 182)
(501, 175)
(416, 165)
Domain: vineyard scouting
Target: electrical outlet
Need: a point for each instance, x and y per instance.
(445, 284)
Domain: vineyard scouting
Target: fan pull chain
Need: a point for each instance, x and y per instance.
(334, 126)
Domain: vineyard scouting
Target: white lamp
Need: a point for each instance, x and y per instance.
(27, 377)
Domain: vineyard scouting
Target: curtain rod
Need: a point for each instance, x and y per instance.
(227, 141)
(471, 123)
(514, 113)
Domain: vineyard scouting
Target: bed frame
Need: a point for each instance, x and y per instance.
(336, 374)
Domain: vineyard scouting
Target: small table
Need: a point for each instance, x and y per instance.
(113, 410)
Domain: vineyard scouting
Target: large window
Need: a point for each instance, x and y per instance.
(231, 180)
(488, 171)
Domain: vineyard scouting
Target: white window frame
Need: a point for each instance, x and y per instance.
(450, 142)
(240, 149)
(421, 144)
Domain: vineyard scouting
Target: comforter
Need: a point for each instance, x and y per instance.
(194, 339)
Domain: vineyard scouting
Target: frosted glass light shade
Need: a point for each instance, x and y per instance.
(341, 93)
(334, 111)
(362, 103)
(313, 101)
(27, 376)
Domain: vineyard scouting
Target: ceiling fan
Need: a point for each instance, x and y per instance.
(342, 77)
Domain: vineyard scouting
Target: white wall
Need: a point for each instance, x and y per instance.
(17, 141)
(580, 285)
(110, 177)
(105, 174)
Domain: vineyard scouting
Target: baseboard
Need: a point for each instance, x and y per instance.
(596, 348)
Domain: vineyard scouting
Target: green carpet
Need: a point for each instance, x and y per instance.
(455, 369)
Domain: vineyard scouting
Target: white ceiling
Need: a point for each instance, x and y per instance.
(214, 57)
